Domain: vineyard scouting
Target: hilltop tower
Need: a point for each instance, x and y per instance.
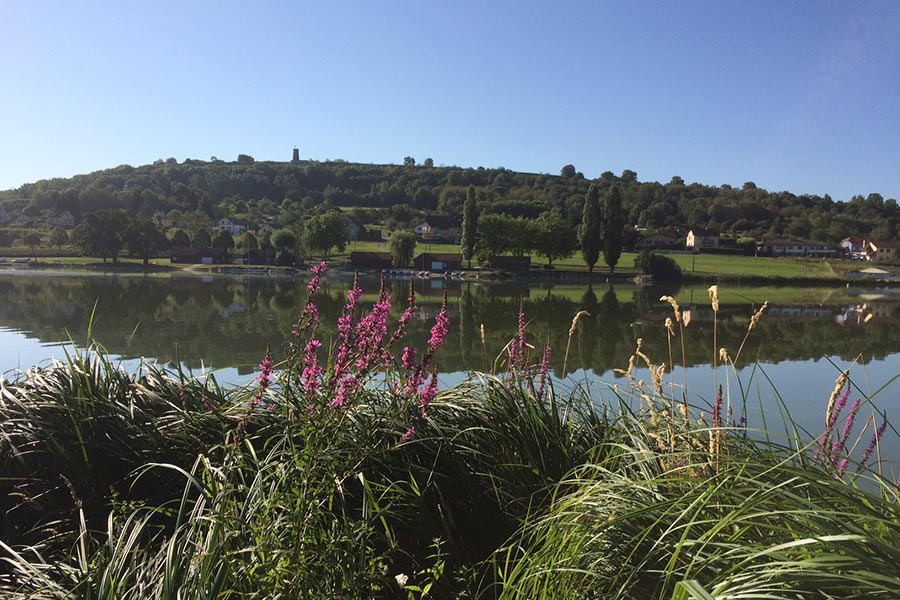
(296, 159)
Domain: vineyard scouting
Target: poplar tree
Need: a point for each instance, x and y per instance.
(613, 226)
(469, 225)
(591, 228)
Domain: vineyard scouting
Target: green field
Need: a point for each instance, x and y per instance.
(700, 264)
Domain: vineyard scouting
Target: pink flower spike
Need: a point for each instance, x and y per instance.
(409, 434)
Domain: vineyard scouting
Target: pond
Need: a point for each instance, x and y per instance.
(223, 324)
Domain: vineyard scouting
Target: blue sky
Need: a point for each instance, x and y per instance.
(798, 96)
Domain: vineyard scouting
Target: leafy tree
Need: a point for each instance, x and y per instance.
(323, 232)
(101, 234)
(591, 228)
(613, 227)
(568, 171)
(554, 237)
(409, 161)
(58, 237)
(32, 240)
(180, 239)
(249, 242)
(402, 245)
(245, 159)
(469, 225)
(429, 163)
(284, 240)
(145, 239)
(223, 239)
(202, 239)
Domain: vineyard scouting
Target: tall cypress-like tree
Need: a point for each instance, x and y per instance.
(613, 226)
(469, 225)
(591, 228)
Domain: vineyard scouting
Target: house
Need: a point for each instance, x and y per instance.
(438, 263)
(885, 252)
(266, 228)
(659, 241)
(198, 256)
(439, 228)
(231, 226)
(63, 219)
(795, 247)
(855, 246)
(698, 239)
(371, 260)
(510, 263)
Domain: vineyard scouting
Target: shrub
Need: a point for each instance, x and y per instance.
(661, 268)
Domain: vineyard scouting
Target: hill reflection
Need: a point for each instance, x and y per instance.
(228, 322)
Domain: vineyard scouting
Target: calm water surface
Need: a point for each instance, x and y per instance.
(222, 325)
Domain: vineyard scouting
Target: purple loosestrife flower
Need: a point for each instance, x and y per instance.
(838, 407)
(427, 395)
(370, 332)
(873, 442)
(408, 360)
(717, 411)
(309, 377)
(346, 386)
(518, 348)
(842, 468)
(545, 366)
(264, 379)
(440, 328)
(317, 272)
(409, 434)
(841, 442)
(345, 333)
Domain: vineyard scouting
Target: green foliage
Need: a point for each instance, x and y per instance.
(58, 237)
(284, 239)
(658, 266)
(101, 234)
(591, 233)
(402, 245)
(202, 238)
(145, 240)
(180, 239)
(32, 240)
(555, 237)
(245, 159)
(323, 232)
(613, 226)
(469, 226)
(222, 239)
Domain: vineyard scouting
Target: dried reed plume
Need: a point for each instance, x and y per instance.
(578, 315)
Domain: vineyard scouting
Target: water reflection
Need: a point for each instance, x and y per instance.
(227, 322)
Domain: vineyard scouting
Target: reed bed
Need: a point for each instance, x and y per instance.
(343, 472)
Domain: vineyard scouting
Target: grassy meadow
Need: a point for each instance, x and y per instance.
(344, 472)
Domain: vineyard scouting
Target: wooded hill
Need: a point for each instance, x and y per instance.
(284, 194)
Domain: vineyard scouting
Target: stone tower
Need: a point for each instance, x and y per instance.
(296, 159)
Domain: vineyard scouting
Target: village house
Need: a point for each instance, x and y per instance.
(231, 226)
(439, 228)
(371, 260)
(438, 263)
(796, 248)
(855, 246)
(64, 219)
(659, 241)
(698, 238)
(885, 252)
(198, 256)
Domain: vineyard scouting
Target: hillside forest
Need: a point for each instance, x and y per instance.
(382, 198)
